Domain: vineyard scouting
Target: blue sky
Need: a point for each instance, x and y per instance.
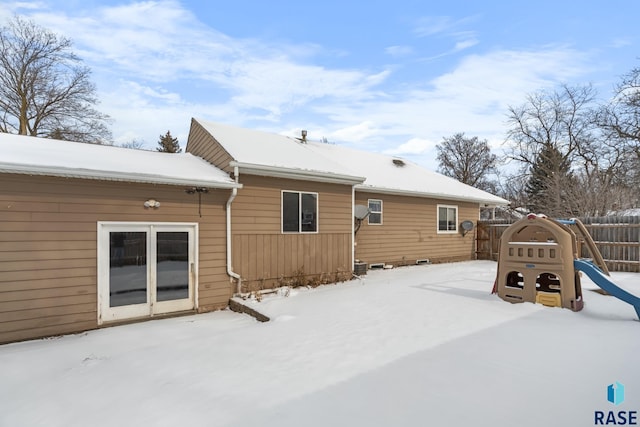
(386, 76)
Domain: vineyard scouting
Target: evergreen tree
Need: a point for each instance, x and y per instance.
(551, 184)
(168, 144)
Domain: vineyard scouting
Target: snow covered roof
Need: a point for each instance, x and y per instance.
(257, 152)
(40, 156)
(387, 174)
(372, 172)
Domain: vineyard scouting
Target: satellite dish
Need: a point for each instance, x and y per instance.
(361, 211)
(467, 225)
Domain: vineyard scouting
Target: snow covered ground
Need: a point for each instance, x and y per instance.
(425, 346)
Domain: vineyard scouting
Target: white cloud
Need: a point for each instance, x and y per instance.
(399, 51)
(412, 146)
(28, 5)
(465, 44)
(9, 9)
(356, 133)
(143, 113)
(150, 40)
(621, 42)
(430, 25)
(280, 85)
(444, 25)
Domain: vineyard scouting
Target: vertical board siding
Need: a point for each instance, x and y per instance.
(263, 255)
(617, 239)
(311, 254)
(48, 247)
(409, 232)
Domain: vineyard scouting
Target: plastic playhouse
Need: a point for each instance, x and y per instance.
(539, 262)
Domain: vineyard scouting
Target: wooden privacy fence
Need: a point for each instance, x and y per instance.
(617, 239)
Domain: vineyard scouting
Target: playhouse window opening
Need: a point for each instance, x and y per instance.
(547, 282)
(515, 279)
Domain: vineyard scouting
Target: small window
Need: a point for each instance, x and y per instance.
(299, 212)
(447, 219)
(375, 212)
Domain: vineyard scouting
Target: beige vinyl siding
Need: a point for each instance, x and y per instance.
(262, 254)
(409, 232)
(202, 144)
(48, 247)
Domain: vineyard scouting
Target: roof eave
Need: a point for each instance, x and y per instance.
(113, 176)
(441, 196)
(299, 174)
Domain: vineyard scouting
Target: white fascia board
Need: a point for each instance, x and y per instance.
(299, 174)
(113, 176)
(439, 196)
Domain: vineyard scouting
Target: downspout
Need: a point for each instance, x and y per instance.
(353, 229)
(230, 272)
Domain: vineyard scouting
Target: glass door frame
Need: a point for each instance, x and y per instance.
(151, 307)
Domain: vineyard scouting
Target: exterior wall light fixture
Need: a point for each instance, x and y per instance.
(152, 203)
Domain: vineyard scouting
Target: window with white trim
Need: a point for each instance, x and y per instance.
(375, 212)
(447, 219)
(299, 212)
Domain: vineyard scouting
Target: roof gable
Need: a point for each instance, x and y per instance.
(270, 154)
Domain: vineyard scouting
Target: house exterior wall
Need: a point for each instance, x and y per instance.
(409, 231)
(264, 256)
(48, 247)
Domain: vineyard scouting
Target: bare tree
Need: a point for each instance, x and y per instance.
(621, 116)
(619, 119)
(558, 119)
(44, 89)
(134, 144)
(469, 160)
(571, 165)
(513, 188)
(577, 165)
